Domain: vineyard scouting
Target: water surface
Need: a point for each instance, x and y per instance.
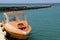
(45, 23)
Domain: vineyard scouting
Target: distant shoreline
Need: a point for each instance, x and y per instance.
(25, 3)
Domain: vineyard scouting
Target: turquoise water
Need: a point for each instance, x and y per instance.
(45, 23)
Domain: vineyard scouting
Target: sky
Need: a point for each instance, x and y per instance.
(29, 1)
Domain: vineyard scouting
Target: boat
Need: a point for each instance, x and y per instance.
(15, 23)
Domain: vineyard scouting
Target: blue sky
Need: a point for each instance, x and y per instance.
(29, 1)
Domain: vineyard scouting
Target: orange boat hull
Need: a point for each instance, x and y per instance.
(18, 35)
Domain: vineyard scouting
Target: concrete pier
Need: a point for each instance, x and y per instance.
(2, 34)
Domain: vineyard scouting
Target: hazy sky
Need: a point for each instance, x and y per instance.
(29, 1)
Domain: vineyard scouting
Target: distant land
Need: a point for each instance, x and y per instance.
(26, 3)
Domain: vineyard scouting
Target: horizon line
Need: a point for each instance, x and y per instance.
(29, 3)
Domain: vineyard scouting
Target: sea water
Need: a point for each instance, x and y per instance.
(45, 22)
